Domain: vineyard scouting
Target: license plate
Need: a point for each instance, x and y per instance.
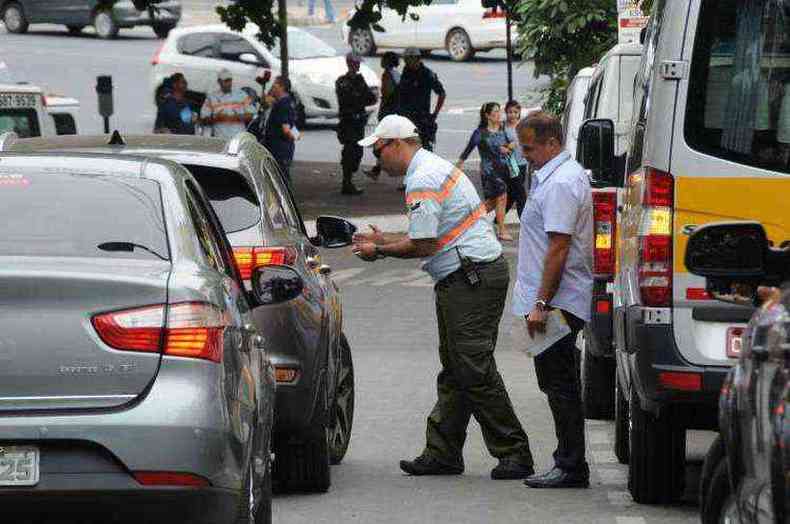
(17, 100)
(735, 341)
(18, 465)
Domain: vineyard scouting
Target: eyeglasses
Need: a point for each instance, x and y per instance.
(384, 144)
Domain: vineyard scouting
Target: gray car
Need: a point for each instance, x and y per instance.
(312, 358)
(133, 384)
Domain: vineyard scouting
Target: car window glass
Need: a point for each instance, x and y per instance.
(444, 2)
(739, 89)
(206, 237)
(66, 215)
(64, 124)
(303, 45)
(591, 101)
(629, 64)
(23, 122)
(199, 44)
(231, 47)
(273, 205)
(230, 195)
(283, 195)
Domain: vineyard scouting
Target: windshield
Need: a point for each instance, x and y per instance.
(739, 92)
(67, 215)
(303, 45)
(23, 122)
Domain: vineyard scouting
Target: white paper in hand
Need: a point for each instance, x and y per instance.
(556, 329)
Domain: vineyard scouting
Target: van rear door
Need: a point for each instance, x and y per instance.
(730, 154)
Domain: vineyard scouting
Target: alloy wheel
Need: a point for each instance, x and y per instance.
(343, 408)
(362, 42)
(459, 46)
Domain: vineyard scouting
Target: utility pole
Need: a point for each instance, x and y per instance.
(283, 15)
(509, 51)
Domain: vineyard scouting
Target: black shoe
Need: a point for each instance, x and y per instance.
(557, 478)
(373, 173)
(511, 469)
(423, 465)
(351, 189)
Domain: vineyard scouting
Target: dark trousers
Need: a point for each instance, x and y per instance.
(558, 377)
(350, 159)
(516, 192)
(469, 382)
(350, 131)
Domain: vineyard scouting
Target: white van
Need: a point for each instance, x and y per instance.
(573, 116)
(26, 111)
(709, 142)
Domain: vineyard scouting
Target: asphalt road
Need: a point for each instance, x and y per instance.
(69, 65)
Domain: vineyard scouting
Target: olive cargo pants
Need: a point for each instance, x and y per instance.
(469, 382)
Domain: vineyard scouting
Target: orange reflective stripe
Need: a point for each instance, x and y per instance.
(461, 228)
(439, 196)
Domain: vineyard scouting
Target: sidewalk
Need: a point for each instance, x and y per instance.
(201, 12)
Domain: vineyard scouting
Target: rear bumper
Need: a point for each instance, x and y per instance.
(125, 15)
(651, 351)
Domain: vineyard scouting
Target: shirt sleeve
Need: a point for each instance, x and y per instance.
(436, 85)
(424, 219)
(561, 206)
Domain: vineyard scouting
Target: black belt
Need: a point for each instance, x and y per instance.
(459, 273)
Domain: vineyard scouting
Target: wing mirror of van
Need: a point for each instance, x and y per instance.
(595, 151)
(333, 232)
(276, 284)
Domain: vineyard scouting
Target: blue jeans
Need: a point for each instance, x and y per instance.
(328, 8)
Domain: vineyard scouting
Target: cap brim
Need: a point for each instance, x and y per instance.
(368, 141)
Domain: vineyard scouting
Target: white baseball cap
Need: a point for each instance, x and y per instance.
(390, 127)
(224, 74)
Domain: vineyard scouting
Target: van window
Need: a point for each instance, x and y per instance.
(739, 92)
(64, 124)
(629, 65)
(23, 122)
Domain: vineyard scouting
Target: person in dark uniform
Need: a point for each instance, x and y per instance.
(175, 114)
(281, 134)
(353, 96)
(416, 85)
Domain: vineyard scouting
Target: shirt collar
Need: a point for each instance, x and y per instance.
(544, 172)
(415, 161)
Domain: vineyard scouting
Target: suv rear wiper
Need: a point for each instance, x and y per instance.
(129, 247)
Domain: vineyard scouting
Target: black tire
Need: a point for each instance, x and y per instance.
(342, 413)
(303, 465)
(425, 53)
(714, 456)
(14, 19)
(597, 380)
(75, 29)
(718, 494)
(656, 470)
(361, 42)
(105, 25)
(459, 45)
(162, 31)
(621, 450)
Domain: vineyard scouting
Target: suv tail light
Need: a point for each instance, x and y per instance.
(192, 330)
(155, 59)
(494, 12)
(655, 239)
(605, 220)
(168, 478)
(248, 259)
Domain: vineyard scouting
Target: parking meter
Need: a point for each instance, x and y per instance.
(104, 91)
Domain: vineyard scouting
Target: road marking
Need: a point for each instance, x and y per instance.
(630, 520)
(346, 274)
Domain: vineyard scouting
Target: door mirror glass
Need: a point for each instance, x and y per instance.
(276, 284)
(250, 58)
(595, 151)
(334, 232)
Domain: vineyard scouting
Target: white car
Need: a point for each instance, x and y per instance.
(200, 52)
(462, 27)
(28, 112)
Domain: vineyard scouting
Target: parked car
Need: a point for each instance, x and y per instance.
(28, 112)
(712, 157)
(746, 472)
(200, 52)
(132, 382)
(305, 340)
(107, 17)
(462, 27)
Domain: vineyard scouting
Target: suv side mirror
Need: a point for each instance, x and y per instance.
(334, 232)
(276, 284)
(595, 151)
(250, 58)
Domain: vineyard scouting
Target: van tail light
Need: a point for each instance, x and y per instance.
(248, 259)
(605, 223)
(655, 239)
(155, 59)
(680, 381)
(493, 13)
(169, 478)
(192, 330)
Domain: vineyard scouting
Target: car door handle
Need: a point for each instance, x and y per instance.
(325, 269)
(313, 262)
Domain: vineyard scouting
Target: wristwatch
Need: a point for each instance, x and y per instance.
(378, 252)
(542, 304)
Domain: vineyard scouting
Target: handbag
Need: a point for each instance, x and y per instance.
(512, 165)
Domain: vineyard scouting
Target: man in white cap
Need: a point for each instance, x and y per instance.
(449, 232)
(227, 111)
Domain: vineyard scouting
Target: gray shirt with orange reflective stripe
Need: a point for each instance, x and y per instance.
(443, 204)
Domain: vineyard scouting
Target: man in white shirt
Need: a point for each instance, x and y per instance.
(227, 111)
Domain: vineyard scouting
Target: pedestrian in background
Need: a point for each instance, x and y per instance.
(416, 84)
(353, 97)
(555, 272)
(516, 190)
(175, 114)
(448, 230)
(227, 111)
(281, 133)
(495, 148)
(329, 10)
(390, 100)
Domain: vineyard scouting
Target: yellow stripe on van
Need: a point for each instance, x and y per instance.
(699, 201)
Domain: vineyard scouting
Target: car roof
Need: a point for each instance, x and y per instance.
(623, 49)
(20, 88)
(249, 30)
(78, 163)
